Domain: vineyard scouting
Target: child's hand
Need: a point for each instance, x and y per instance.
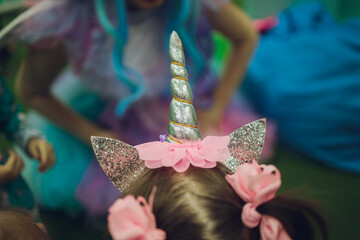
(42, 151)
(11, 169)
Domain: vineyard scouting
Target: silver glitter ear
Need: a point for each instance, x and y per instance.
(119, 161)
(246, 144)
(183, 120)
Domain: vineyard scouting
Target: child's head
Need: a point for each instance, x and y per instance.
(18, 224)
(201, 204)
(189, 205)
(197, 196)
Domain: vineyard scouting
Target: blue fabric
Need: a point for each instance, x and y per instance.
(306, 76)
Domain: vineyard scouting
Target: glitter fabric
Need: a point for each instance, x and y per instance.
(246, 144)
(122, 165)
(119, 161)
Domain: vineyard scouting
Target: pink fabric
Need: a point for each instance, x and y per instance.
(202, 154)
(256, 184)
(266, 23)
(271, 228)
(250, 217)
(128, 220)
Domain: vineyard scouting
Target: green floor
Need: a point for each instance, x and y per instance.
(336, 191)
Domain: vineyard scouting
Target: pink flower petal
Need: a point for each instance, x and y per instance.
(181, 166)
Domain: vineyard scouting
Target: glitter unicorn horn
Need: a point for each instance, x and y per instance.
(122, 163)
(183, 121)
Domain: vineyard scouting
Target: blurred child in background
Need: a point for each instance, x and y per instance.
(117, 82)
(13, 189)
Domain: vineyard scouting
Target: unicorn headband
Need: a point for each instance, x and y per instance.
(182, 146)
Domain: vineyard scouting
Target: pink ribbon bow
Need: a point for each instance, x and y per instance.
(132, 219)
(255, 185)
(202, 154)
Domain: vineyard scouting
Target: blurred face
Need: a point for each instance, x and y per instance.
(144, 4)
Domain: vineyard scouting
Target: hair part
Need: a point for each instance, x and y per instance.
(188, 205)
(200, 204)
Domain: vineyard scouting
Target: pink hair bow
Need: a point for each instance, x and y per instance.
(256, 185)
(202, 154)
(132, 219)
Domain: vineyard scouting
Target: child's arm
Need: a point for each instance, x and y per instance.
(11, 169)
(35, 77)
(13, 124)
(234, 24)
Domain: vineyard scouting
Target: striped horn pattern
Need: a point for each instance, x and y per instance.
(183, 121)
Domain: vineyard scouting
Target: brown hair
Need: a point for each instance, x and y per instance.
(18, 224)
(200, 204)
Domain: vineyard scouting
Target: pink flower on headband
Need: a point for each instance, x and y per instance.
(132, 219)
(256, 185)
(202, 154)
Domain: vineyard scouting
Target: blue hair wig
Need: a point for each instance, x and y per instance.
(182, 16)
